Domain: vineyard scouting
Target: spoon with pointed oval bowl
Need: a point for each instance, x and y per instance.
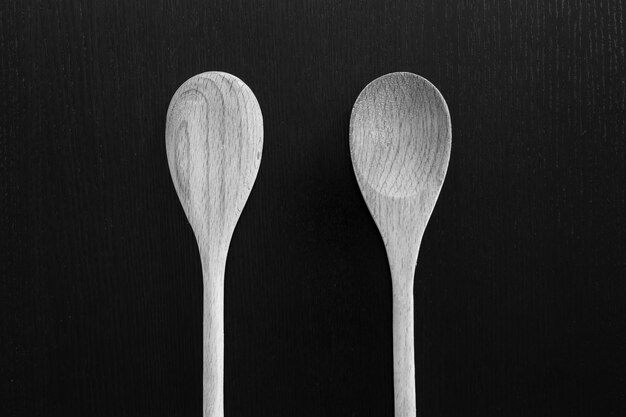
(214, 140)
(400, 138)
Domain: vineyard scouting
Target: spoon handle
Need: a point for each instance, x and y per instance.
(402, 273)
(213, 339)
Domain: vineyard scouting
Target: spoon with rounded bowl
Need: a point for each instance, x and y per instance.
(214, 140)
(400, 138)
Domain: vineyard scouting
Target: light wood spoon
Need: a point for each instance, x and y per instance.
(214, 140)
(400, 137)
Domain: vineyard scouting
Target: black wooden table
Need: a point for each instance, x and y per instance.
(521, 285)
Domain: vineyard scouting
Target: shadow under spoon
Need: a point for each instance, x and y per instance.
(214, 141)
(400, 139)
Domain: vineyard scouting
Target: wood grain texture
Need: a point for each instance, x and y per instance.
(214, 141)
(400, 139)
(520, 302)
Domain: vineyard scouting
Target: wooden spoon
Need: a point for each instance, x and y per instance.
(214, 139)
(400, 137)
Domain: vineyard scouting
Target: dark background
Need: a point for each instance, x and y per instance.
(520, 287)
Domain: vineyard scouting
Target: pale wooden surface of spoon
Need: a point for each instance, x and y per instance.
(214, 140)
(400, 138)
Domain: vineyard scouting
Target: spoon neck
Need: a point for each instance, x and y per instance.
(402, 251)
(213, 253)
(213, 266)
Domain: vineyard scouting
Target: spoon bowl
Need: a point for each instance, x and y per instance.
(400, 139)
(214, 141)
